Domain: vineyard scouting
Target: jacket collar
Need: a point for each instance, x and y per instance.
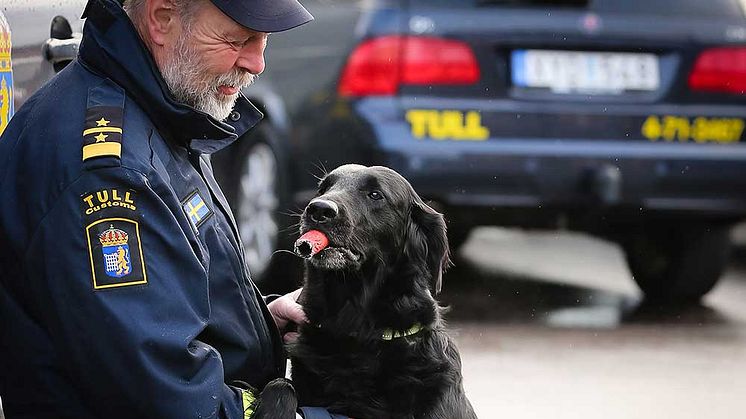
(112, 47)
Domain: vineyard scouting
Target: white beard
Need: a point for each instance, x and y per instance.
(191, 83)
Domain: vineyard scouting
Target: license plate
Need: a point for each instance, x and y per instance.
(585, 72)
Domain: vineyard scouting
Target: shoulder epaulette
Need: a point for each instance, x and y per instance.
(102, 134)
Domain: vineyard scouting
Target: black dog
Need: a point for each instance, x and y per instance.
(376, 346)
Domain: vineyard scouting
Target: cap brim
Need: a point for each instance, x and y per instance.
(265, 15)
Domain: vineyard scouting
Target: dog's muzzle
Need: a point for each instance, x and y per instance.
(310, 243)
(322, 210)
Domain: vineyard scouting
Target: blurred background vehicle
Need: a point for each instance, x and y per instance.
(621, 119)
(618, 118)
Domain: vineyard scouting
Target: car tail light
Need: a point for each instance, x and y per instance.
(720, 70)
(379, 66)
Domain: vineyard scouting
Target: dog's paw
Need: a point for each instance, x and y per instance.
(277, 401)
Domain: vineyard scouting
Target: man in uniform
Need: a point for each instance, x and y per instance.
(123, 286)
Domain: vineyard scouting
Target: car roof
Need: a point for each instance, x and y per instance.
(694, 8)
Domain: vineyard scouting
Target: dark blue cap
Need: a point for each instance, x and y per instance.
(265, 15)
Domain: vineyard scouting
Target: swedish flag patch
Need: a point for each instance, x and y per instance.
(196, 209)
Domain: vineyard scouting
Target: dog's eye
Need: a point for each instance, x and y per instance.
(375, 195)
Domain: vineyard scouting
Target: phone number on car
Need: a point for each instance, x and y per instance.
(699, 130)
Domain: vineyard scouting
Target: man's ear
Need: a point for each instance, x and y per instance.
(162, 21)
(427, 241)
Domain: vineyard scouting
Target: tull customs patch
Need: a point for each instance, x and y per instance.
(116, 253)
(94, 203)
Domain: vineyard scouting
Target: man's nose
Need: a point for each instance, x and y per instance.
(251, 58)
(322, 210)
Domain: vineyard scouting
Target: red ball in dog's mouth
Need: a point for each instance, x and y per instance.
(311, 243)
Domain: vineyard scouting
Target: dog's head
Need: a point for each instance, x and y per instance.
(372, 215)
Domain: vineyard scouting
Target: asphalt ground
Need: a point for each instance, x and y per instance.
(551, 325)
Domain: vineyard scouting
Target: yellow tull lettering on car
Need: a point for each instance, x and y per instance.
(698, 130)
(447, 125)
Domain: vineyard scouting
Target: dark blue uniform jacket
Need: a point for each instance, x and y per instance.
(123, 288)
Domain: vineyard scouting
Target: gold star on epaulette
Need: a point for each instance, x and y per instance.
(102, 135)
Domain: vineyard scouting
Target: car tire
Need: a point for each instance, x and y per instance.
(259, 196)
(678, 263)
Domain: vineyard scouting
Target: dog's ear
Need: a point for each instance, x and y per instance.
(427, 241)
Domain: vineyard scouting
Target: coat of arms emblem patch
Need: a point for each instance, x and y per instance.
(115, 252)
(117, 262)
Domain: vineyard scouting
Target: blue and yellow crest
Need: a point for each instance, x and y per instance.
(117, 262)
(6, 75)
(115, 253)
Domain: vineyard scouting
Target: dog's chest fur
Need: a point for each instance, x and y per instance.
(401, 378)
(342, 362)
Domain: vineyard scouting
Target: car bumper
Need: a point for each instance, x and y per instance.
(551, 169)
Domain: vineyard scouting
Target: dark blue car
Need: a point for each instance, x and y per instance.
(620, 118)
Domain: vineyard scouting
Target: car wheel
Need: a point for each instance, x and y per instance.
(259, 200)
(676, 263)
(257, 205)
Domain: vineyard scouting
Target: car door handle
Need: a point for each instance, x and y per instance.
(62, 45)
(59, 50)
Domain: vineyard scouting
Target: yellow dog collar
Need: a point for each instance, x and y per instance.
(390, 334)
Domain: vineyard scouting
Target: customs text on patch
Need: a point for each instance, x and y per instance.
(120, 201)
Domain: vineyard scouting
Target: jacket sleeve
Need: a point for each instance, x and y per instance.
(126, 297)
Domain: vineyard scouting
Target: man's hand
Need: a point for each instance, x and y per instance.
(287, 312)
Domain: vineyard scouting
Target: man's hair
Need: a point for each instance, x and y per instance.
(135, 9)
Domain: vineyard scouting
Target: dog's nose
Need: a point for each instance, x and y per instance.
(322, 210)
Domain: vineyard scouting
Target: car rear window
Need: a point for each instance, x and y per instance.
(709, 8)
